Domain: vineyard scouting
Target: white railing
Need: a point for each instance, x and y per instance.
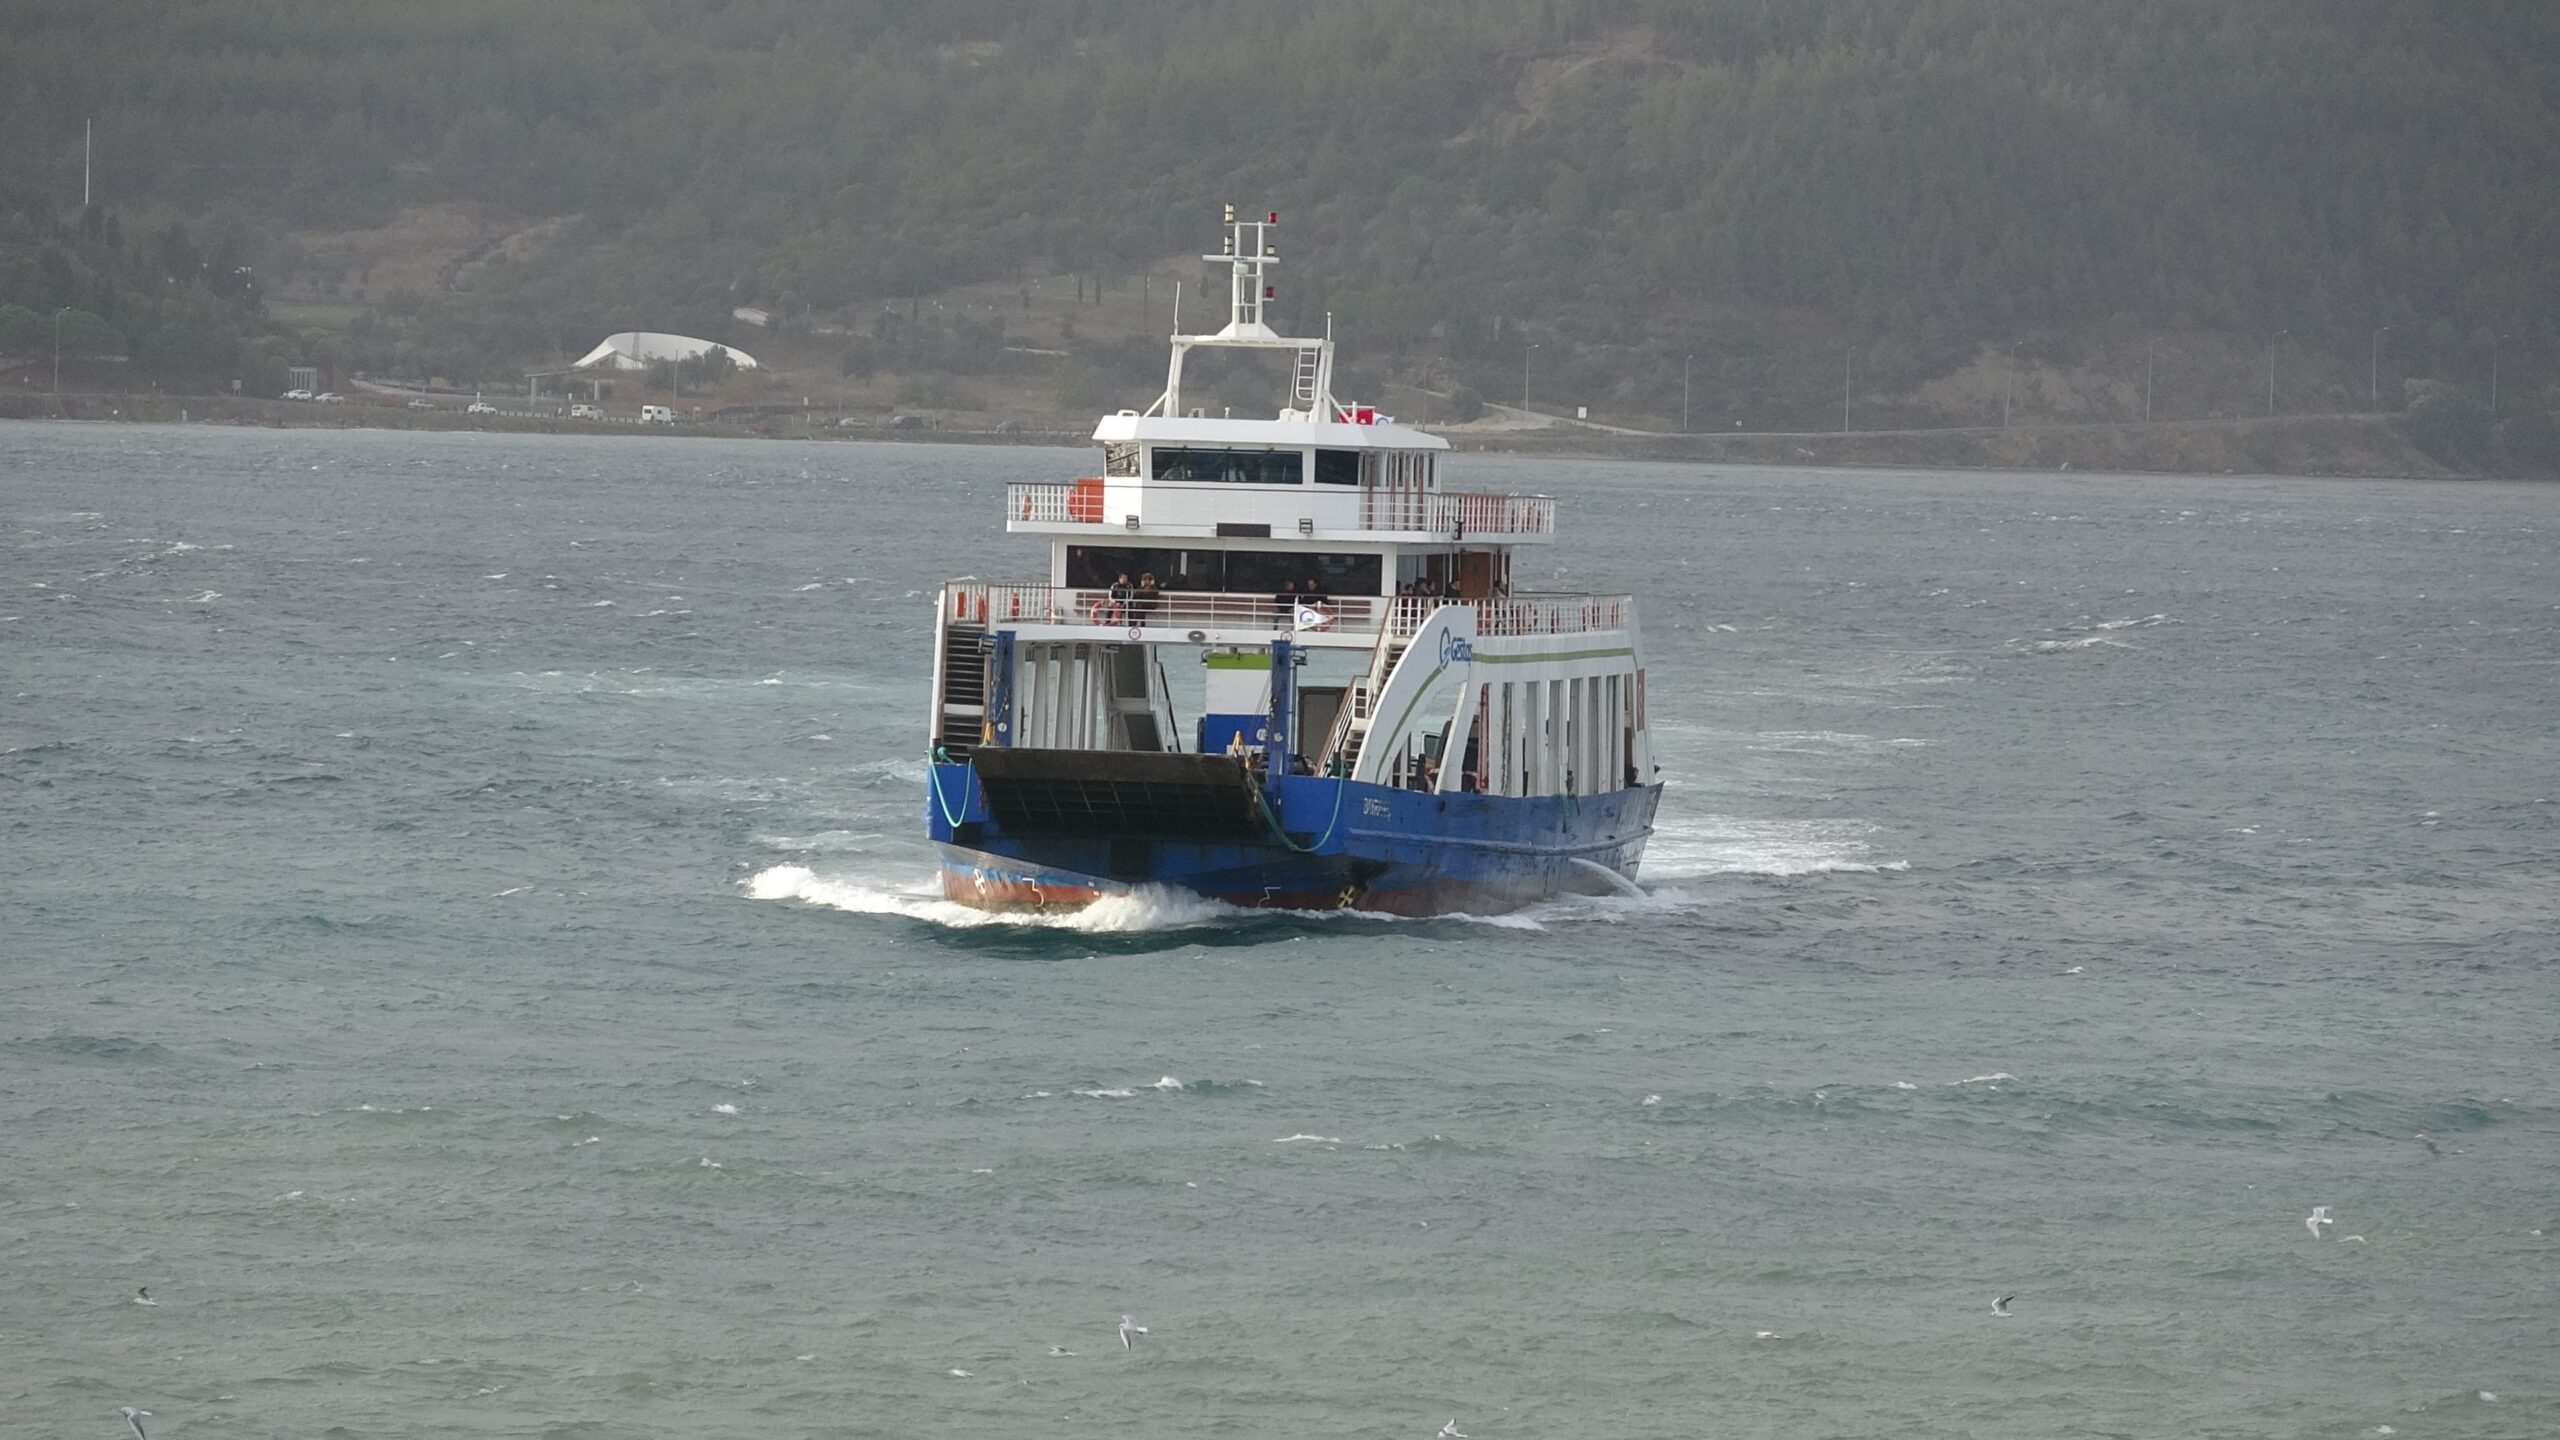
(1383, 509)
(989, 603)
(1553, 614)
(983, 603)
(1468, 512)
(1079, 503)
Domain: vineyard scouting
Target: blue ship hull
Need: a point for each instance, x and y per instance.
(1298, 842)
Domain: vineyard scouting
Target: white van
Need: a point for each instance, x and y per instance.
(657, 415)
(586, 412)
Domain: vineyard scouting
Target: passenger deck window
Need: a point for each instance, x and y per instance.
(1231, 467)
(1337, 467)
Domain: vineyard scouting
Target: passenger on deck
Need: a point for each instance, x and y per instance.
(1116, 609)
(1150, 600)
(1284, 606)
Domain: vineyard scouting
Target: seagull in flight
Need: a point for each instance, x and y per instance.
(2000, 1307)
(133, 1418)
(143, 1296)
(2318, 1217)
(1129, 1327)
(1061, 1352)
(1450, 1430)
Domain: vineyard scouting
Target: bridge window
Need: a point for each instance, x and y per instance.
(1231, 467)
(1093, 567)
(1120, 459)
(1337, 467)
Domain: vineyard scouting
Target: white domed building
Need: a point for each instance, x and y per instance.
(640, 349)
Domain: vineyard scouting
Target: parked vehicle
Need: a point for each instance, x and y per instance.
(297, 394)
(586, 412)
(657, 415)
(479, 407)
(422, 403)
(330, 397)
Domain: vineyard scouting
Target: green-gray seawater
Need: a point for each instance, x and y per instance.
(466, 944)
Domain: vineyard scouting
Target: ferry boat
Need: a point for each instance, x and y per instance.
(1276, 664)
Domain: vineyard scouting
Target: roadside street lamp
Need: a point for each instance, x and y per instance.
(1848, 358)
(1685, 361)
(2494, 338)
(65, 310)
(2150, 354)
(2008, 381)
(2271, 370)
(2373, 371)
(1524, 375)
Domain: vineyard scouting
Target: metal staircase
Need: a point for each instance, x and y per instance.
(1305, 389)
(1341, 754)
(963, 702)
(1133, 698)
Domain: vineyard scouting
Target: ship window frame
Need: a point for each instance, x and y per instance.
(1338, 467)
(1121, 460)
(1227, 465)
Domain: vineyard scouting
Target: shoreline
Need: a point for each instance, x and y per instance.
(2347, 446)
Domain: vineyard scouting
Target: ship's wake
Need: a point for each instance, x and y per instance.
(1147, 909)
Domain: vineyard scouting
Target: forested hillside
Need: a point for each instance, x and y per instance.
(1881, 193)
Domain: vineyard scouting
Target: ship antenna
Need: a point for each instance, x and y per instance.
(1249, 252)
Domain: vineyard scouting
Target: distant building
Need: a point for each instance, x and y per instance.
(302, 377)
(750, 315)
(640, 349)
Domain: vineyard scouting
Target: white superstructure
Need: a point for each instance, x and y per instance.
(1325, 527)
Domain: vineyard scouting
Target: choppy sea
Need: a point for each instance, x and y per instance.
(466, 946)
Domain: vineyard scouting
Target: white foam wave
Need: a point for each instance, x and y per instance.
(1148, 908)
(825, 842)
(1316, 1139)
(1992, 1078)
(2048, 647)
(1161, 908)
(1118, 1092)
(1694, 847)
(1798, 742)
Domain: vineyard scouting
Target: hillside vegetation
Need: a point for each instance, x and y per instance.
(1804, 197)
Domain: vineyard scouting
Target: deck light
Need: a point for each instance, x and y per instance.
(1131, 521)
(1274, 220)
(1306, 525)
